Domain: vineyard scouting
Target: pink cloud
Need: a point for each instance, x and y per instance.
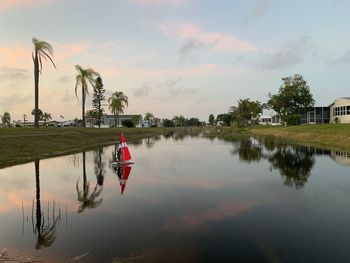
(218, 40)
(158, 2)
(9, 4)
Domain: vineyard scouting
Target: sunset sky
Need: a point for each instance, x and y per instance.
(172, 57)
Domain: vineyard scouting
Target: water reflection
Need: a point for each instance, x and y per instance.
(294, 163)
(88, 200)
(99, 166)
(44, 230)
(123, 173)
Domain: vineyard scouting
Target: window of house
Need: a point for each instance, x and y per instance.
(347, 110)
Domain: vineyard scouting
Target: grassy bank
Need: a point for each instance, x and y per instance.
(20, 145)
(330, 136)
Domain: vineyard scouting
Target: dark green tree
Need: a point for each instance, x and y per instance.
(293, 96)
(6, 119)
(98, 97)
(211, 119)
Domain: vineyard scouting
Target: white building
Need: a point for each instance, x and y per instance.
(340, 110)
(270, 120)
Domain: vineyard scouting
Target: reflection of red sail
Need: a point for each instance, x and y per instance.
(125, 150)
(125, 175)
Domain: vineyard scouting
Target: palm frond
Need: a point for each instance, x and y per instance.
(48, 56)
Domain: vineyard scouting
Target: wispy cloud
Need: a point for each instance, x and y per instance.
(158, 2)
(9, 4)
(343, 59)
(13, 101)
(293, 53)
(13, 73)
(260, 8)
(195, 37)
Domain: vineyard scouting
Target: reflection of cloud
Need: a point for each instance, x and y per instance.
(220, 212)
(219, 41)
(13, 73)
(290, 55)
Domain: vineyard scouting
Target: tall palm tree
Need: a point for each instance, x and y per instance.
(41, 50)
(117, 103)
(149, 117)
(84, 77)
(46, 117)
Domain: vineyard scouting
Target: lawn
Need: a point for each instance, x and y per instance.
(20, 145)
(331, 136)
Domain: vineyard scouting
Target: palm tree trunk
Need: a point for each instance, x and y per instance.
(36, 89)
(115, 119)
(83, 105)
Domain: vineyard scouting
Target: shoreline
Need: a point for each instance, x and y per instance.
(23, 145)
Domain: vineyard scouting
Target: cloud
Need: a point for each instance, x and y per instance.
(158, 2)
(188, 47)
(13, 73)
(344, 59)
(195, 37)
(164, 90)
(293, 53)
(65, 79)
(13, 101)
(259, 9)
(10, 4)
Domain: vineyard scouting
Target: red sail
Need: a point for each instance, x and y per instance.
(125, 175)
(126, 156)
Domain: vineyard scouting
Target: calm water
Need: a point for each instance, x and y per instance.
(187, 199)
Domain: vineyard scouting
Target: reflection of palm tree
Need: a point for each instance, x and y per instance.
(248, 151)
(99, 167)
(46, 233)
(87, 199)
(150, 141)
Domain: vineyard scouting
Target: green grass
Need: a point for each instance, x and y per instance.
(330, 136)
(21, 145)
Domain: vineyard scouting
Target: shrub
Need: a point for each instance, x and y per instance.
(293, 119)
(128, 124)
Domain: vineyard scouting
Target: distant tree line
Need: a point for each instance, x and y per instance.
(292, 98)
(181, 121)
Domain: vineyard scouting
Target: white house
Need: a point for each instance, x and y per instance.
(270, 120)
(340, 110)
(109, 120)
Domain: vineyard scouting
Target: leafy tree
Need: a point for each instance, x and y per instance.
(40, 114)
(293, 96)
(117, 102)
(84, 77)
(91, 114)
(6, 119)
(41, 50)
(179, 120)
(193, 122)
(168, 123)
(98, 98)
(211, 119)
(247, 111)
(225, 118)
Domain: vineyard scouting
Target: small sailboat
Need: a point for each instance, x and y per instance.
(123, 156)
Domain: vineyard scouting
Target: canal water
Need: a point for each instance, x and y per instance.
(186, 199)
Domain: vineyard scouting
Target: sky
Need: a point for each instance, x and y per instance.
(172, 57)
